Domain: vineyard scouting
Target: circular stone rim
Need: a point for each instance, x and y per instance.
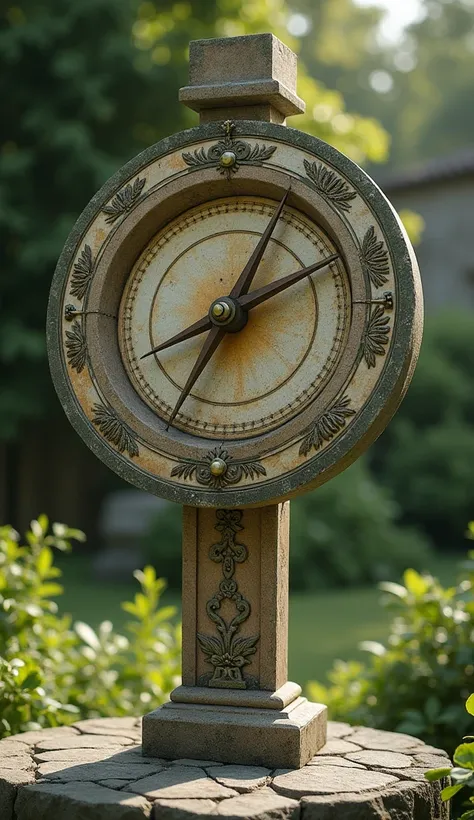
(371, 420)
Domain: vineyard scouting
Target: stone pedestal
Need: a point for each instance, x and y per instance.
(96, 771)
(235, 696)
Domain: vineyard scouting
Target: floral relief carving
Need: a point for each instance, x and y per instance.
(330, 185)
(82, 273)
(76, 347)
(228, 154)
(327, 426)
(376, 336)
(124, 200)
(375, 258)
(227, 651)
(218, 469)
(114, 430)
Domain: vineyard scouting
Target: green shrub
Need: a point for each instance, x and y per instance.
(53, 671)
(462, 773)
(344, 533)
(426, 454)
(418, 682)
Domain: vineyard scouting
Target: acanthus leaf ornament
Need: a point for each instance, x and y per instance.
(375, 258)
(227, 652)
(330, 185)
(376, 335)
(327, 426)
(229, 153)
(124, 200)
(114, 430)
(218, 469)
(76, 347)
(82, 273)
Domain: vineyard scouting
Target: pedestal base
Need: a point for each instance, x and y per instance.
(286, 738)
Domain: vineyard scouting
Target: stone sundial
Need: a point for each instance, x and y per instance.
(234, 318)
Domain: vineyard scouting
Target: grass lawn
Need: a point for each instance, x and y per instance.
(324, 625)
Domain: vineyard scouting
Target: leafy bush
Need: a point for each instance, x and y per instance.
(51, 671)
(418, 682)
(462, 773)
(344, 533)
(425, 456)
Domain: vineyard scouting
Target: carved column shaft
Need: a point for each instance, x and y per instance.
(235, 599)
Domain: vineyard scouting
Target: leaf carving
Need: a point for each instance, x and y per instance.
(330, 185)
(234, 471)
(76, 347)
(327, 426)
(209, 644)
(375, 258)
(124, 200)
(114, 430)
(376, 336)
(82, 273)
(237, 151)
(245, 646)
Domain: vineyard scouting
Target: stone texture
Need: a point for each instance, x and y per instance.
(81, 742)
(337, 729)
(30, 738)
(381, 760)
(430, 761)
(181, 782)
(261, 805)
(78, 801)
(376, 739)
(241, 778)
(332, 760)
(328, 780)
(183, 809)
(110, 727)
(96, 771)
(114, 782)
(338, 747)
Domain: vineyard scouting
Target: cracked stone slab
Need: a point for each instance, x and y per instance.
(95, 771)
(112, 753)
(183, 809)
(18, 763)
(263, 804)
(12, 748)
(77, 801)
(328, 780)
(122, 727)
(377, 740)
(80, 742)
(30, 738)
(339, 747)
(396, 803)
(412, 773)
(336, 729)
(114, 784)
(9, 782)
(329, 760)
(181, 782)
(431, 761)
(241, 778)
(188, 761)
(381, 760)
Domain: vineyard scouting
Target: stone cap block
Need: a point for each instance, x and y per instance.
(254, 69)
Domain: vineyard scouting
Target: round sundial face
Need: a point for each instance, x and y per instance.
(235, 317)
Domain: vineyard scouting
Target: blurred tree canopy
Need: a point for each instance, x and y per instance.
(85, 86)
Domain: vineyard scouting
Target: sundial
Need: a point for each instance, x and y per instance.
(234, 318)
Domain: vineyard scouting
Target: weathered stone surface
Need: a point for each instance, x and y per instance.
(384, 741)
(33, 737)
(328, 780)
(339, 747)
(183, 809)
(9, 781)
(260, 805)
(96, 771)
(78, 801)
(337, 729)
(396, 803)
(180, 782)
(17, 762)
(11, 748)
(80, 742)
(241, 778)
(112, 783)
(411, 773)
(110, 727)
(189, 761)
(112, 753)
(332, 760)
(431, 761)
(381, 760)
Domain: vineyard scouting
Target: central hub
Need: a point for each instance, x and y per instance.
(228, 314)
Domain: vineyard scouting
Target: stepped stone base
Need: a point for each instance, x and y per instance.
(95, 770)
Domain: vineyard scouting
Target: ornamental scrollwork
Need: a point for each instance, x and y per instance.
(114, 430)
(376, 336)
(82, 273)
(124, 200)
(218, 469)
(227, 651)
(330, 185)
(375, 258)
(228, 154)
(327, 426)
